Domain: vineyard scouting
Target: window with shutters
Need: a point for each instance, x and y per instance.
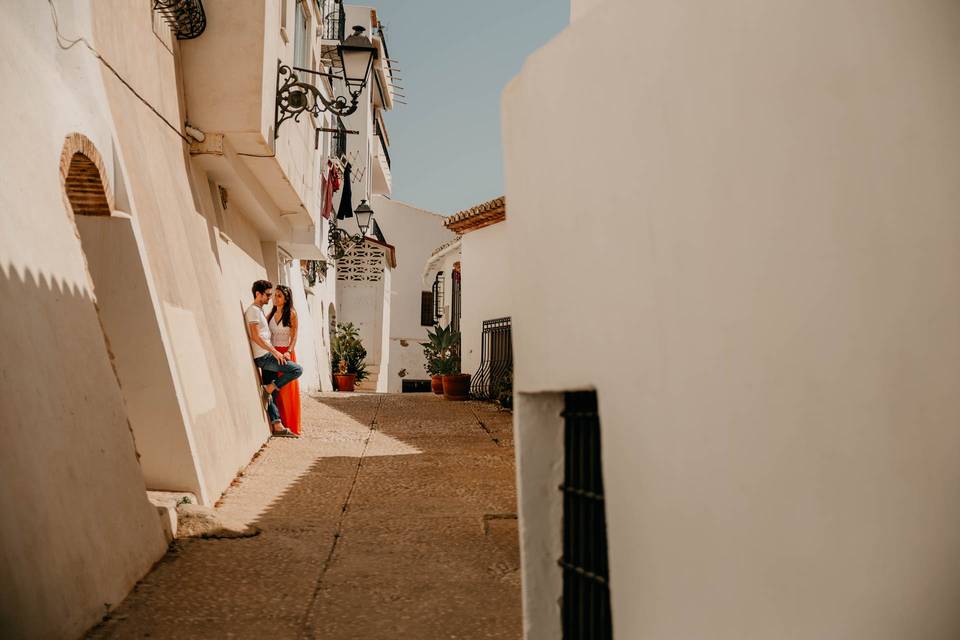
(426, 309)
(301, 40)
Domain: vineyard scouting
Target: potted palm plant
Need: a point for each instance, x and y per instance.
(441, 342)
(456, 385)
(348, 357)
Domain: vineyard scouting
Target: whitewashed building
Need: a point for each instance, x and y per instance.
(364, 274)
(415, 232)
(364, 278)
(470, 291)
(735, 255)
(147, 185)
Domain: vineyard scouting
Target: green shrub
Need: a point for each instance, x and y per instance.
(442, 352)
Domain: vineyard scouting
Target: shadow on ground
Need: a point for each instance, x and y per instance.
(401, 530)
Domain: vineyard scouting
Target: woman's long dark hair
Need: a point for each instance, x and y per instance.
(287, 305)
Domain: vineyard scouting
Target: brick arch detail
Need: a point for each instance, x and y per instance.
(83, 177)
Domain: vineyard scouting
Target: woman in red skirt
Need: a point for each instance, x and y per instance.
(283, 336)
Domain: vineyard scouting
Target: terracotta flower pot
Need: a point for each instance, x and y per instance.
(345, 381)
(436, 384)
(456, 386)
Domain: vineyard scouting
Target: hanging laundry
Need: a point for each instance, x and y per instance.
(346, 198)
(331, 184)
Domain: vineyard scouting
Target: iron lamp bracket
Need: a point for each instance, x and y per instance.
(295, 97)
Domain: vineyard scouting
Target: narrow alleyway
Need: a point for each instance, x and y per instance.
(392, 517)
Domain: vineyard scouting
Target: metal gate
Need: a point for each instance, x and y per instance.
(586, 578)
(455, 301)
(496, 359)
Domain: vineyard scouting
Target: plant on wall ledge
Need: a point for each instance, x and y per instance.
(314, 271)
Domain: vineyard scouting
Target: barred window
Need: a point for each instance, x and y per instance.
(586, 578)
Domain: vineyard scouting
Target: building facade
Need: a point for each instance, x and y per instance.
(364, 274)
(415, 232)
(484, 275)
(148, 187)
(471, 292)
(758, 314)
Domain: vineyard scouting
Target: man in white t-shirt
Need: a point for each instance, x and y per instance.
(271, 362)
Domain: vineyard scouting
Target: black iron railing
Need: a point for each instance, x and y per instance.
(586, 578)
(496, 359)
(334, 20)
(438, 297)
(455, 300)
(185, 17)
(383, 142)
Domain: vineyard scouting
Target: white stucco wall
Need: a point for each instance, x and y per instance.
(127, 313)
(311, 350)
(211, 355)
(766, 304)
(77, 530)
(415, 233)
(193, 382)
(365, 303)
(383, 365)
(486, 293)
(579, 8)
(445, 266)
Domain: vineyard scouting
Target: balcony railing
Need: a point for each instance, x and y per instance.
(185, 17)
(383, 143)
(386, 53)
(334, 20)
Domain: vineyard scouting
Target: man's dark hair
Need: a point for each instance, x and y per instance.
(261, 286)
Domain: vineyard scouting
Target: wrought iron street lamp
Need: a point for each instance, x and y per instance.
(295, 97)
(340, 241)
(364, 215)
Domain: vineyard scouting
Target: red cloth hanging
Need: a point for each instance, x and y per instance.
(331, 184)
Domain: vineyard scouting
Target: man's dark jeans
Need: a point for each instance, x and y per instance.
(280, 375)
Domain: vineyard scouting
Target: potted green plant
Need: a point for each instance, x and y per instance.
(348, 357)
(435, 352)
(456, 385)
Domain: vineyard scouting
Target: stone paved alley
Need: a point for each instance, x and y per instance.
(392, 517)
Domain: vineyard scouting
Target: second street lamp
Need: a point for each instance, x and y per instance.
(295, 97)
(340, 241)
(364, 214)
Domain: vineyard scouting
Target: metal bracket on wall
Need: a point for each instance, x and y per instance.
(295, 97)
(316, 139)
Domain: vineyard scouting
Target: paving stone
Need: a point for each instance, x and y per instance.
(397, 487)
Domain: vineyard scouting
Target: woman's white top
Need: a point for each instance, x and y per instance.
(279, 333)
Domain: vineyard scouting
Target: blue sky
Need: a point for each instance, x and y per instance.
(455, 57)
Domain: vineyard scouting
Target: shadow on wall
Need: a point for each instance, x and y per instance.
(253, 365)
(72, 493)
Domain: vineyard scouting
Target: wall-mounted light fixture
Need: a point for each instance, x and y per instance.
(295, 97)
(340, 241)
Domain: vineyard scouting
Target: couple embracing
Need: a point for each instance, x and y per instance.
(273, 337)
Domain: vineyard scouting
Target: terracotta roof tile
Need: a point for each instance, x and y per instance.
(482, 215)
